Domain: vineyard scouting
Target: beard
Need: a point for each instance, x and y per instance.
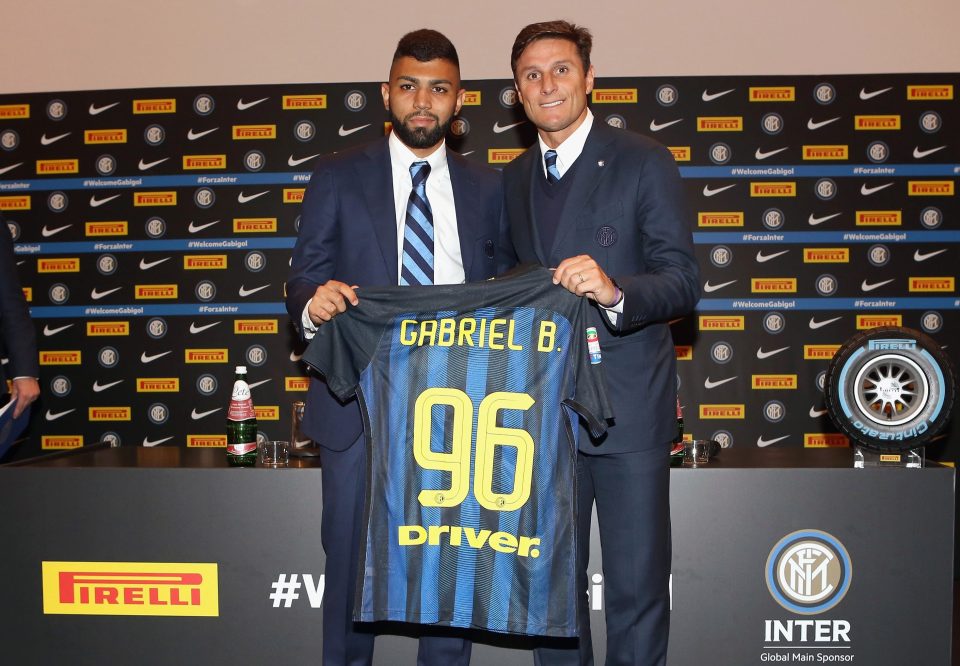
(420, 137)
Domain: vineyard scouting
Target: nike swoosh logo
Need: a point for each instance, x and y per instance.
(199, 329)
(194, 228)
(256, 384)
(469, 152)
(47, 331)
(762, 155)
(97, 386)
(46, 233)
(347, 132)
(193, 136)
(195, 415)
(147, 265)
(708, 384)
(498, 128)
(762, 258)
(143, 166)
(244, 292)
(814, 220)
(150, 358)
(867, 191)
(710, 191)
(713, 287)
(656, 127)
(9, 168)
(53, 416)
(918, 154)
(294, 356)
(761, 442)
(297, 162)
(96, 294)
(96, 203)
(864, 95)
(812, 125)
(709, 97)
(243, 106)
(243, 198)
(816, 413)
(814, 324)
(154, 442)
(46, 141)
(867, 286)
(97, 110)
(767, 354)
(923, 256)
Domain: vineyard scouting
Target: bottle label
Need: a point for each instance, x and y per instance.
(240, 410)
(241, 448)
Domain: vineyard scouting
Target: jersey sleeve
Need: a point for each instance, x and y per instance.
(590, 399)
(341, 350)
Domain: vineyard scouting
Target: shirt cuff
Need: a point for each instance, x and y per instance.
(308, 328)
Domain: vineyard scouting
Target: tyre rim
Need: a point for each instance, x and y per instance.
(891, 390)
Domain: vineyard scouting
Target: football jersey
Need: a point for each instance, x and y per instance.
(470, 396)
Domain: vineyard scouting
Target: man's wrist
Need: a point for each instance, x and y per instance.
(617, 295)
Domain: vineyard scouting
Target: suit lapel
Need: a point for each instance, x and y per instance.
(466, 205)
(376, 179)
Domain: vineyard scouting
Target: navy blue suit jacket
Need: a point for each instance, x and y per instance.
(348, 232)
(17, 342)
(625, 209)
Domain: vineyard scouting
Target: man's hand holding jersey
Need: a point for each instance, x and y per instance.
(582, 275)
(329, 300)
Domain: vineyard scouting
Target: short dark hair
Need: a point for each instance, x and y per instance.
(425, 45)
(571, 32)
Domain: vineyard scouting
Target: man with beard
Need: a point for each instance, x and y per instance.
(403, 210)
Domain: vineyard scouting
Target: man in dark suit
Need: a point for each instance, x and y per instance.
(17, 342)
(605, 207)
(370, 219)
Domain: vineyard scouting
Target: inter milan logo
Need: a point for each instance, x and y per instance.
(773, 218)
(57, 202)
(606, 236)
(878, 152)
(825, 189)
(155, 227)
(60, 386)
(204, 197)
(9, 140)
(878, 255)
(158, 413)
(255, 261)
(59, 294)
(508, 97)
(355, 100)
(772, 123)
(106, 165)
(616, 120)
(774, 323)
(720, 153)
(207, 384)
(256, 355)
(154, 135)
(203, 105)
(56, 109)
(206, 291)
(254, 160)
(824, 93)
(721, 256)
(667, 95)
(459, 127)
(808, 572)
(774, 411)
(826, 285)
(930, 122)
(304, 131)
(723, 438)
(106, 264)
(157, 328)
(931, 217)
(721, 352)
(14, 230)
(931, 321)
(108, 357)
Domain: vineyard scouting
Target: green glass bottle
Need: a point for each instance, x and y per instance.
(241, 423)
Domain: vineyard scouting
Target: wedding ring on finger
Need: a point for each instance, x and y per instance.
(580, 275)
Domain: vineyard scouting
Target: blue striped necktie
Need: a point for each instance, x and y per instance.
(553, 174)
(418, 231)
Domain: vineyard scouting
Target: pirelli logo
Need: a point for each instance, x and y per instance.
(472, 98)
(97, 137)
(45, 167)
(254, 225)
(944, 92)
(106, 229)
(721, 322)
(107, 328)
(28, 294)
(680, 153)
(786, 189)
(891, 122)
(62, 265)
(819, 352)
(267, 412)
(722, 411)
(773, 94)
(826, 255)
(296, 383)
(823, 440)
(158, 384)
(203, 262)
(108, 413)
(154, 198)
(206, 441)
(720, 123)
(293, 195)
(879, 218)
(155, 291)
(683, 352)
(295, 102)
(194, 162)
(14, 111)
(837, 152)
(614, 96)
(256, 326)
(242, 132)
(765, 382)
(720, 219)
(130, 588)
(865, 322)
(773, 285)
(503, 155)
(71, 357)
(205, 355)
(20, 202)
(934, 284)
(61, 442)
(930, 188)
(145, 106)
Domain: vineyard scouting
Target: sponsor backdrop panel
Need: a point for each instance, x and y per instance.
(154, 228)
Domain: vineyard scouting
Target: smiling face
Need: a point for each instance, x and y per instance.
(422, 98)
(553, 86)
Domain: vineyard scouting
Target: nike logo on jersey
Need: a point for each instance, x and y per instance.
(143, 166)
(256, 384)
(53, 416)
(9, 168)
(154, 442)
(46, 233)
(816, 413)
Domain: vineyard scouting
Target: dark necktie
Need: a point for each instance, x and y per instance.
(553, 174)
(418, 231)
